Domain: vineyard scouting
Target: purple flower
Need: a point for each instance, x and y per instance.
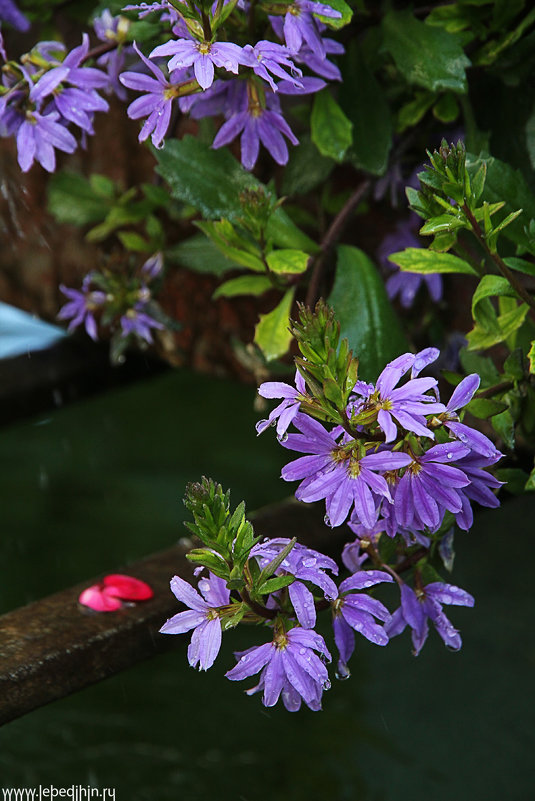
(339, 472)
(285, 411)
(81, 307)
(403, 283)
(136, 321)
(113, 29)
(290, 667)
(426, 604)
(407, 404)
(10, 13)
(475, 440)
(480, 487)
(300, 27)
(306, 565)
(153, 267)
(354, 611)
(429, 486)
(202, 56)
(202, 616)
(266, 57)
(156, 104)
(257, 122)
(37, 137)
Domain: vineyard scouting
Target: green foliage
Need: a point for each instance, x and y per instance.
(330, 129)
(427, 262)
(365, 313)
(366, 107)
(272, 334)
(425, 55)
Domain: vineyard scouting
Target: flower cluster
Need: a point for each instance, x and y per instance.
(200, 69)
(402, 460)
(44, 95)
(123, 303)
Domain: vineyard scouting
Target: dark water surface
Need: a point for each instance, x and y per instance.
(99, 484)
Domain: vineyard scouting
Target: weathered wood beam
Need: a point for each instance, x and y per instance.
(54, 647)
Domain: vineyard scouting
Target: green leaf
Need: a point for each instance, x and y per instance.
(504, 426)
(133, 241)
(365, 105)
(72, 199)
(531, 357)
(365, 314)
(274, 584)
(243, 285)
(276, 562)
(515, 478)
(485, 407)
(482, 365)
(283, 232)
(520, 265)
(504, 183)
(199, 254)
(287, 261)
(272, 334)
(447, 108)
(426, 56)
(210, 180)
(329, 127)
(530, 483)
(337, 22)
(444, 223)
(489, 286)
(306, 169)
(421, 260)
(509, 322)
(232, 245)
(412, 112)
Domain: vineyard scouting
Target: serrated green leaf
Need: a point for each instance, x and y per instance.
(365, 313)
(364, 103)
(210, 180)
(243, 285)
(272, 334)
(424, 261)
(425, 55)
(329, 127)
(287, 261)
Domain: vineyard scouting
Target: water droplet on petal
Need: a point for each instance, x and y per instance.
(450, 455)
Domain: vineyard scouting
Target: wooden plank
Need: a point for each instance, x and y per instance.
(54, 647)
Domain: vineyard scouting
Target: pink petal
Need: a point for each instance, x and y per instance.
(127, 588)
(98, 600)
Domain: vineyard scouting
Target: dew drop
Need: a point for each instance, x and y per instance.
(450, 455)
(342, 673)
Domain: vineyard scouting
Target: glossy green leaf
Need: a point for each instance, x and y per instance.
(283, 232)
(509, 322)
(243, 285)
(489, 286)
(365, 105)
(421, 260)
(520, 265)
(485, 407)
(287, 261)
(365, 313)
(232, 245)
(210, 180)
(272, 334)
(274, 584)
(330, 129)
(504, 426)
(425, 55)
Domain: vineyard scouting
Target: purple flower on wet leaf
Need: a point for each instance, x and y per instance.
(306, 565)
(202, 616)
(202, 56)
(417, 608)
(355, 611)
(290, 667)
(285, 412)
